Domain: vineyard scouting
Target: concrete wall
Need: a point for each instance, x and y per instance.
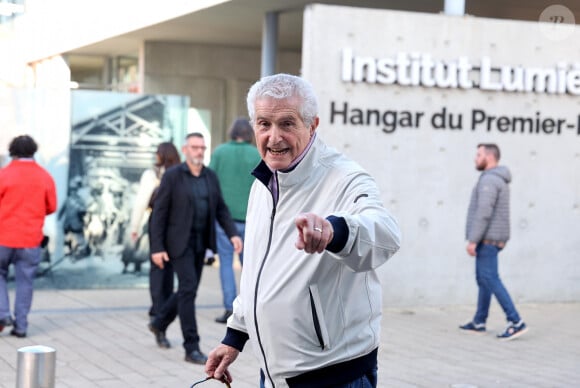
(215, 78)
(426, 172)
(45, 30)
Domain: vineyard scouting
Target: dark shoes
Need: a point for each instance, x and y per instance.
(4, 322)
(196, 357)
(472, 327)
(17, 334)
(224, 318)
(160, 337)
(513, 330)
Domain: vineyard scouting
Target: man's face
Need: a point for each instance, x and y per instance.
(281, 135)
(481, 159)
(193, 150)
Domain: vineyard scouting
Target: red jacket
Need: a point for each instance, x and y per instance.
(27, 195)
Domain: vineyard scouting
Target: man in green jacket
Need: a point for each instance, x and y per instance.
(233, 163)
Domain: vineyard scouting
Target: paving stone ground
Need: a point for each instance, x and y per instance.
(101, 340)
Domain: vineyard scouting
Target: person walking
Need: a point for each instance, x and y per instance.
(72, 213)
(487, 232)
(187, 205)
(233, 163)
(160, 279)
(27, 196)
(310, 298)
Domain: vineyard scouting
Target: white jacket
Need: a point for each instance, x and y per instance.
(303, 311)
(139, 214)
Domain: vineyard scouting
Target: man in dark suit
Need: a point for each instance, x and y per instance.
(188, 203)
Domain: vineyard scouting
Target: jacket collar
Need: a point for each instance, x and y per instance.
(185, 168)
(297, 173)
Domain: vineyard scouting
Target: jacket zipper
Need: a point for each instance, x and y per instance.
(256, 292)
(315, 321)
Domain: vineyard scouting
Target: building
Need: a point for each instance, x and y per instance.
(407, 88)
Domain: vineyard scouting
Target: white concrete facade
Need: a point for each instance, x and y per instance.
(216, 79)
(426, 174)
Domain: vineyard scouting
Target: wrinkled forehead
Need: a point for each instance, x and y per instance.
(270, 107)
(293, 101)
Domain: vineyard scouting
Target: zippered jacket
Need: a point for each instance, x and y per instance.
(488, 216)
(306, 312)
(232, 162)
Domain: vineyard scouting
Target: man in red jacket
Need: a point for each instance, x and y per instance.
(27, 195)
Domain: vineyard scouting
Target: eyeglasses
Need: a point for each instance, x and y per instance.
(223, 380)
(203, 148)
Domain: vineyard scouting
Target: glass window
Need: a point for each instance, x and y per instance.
(101, 72)
(88, 71)
(9, 9)
(127, 75)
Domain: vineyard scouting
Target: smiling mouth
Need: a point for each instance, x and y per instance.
(278, 151)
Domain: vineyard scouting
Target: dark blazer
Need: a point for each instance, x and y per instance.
(172, 216)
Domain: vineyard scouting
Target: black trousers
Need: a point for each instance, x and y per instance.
(188, 268)
(161, 283)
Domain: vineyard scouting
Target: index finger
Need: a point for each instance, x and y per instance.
(301, 221)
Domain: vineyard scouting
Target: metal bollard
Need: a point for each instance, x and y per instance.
(36, 367)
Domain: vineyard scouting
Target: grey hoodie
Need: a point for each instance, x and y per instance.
(488, 216)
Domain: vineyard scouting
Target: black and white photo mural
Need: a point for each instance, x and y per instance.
(113, 139)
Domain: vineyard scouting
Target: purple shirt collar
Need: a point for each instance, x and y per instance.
(273, 184)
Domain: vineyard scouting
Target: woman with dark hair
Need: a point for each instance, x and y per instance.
(160, 281)
(165, 157)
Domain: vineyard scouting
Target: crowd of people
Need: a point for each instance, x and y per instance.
(310, 223)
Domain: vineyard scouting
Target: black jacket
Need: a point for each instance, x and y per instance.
(172, 216)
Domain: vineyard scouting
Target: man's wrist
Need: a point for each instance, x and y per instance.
(235, 338)
(339, 234)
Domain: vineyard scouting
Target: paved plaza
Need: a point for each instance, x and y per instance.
(101, 340)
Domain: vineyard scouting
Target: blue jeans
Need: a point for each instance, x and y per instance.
(225, 251)
(368, 380)
(25, 262)
(486, 273)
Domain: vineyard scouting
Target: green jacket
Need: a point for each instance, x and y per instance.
(233, 163)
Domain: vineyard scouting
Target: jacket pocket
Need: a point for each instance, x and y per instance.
(318, 318)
